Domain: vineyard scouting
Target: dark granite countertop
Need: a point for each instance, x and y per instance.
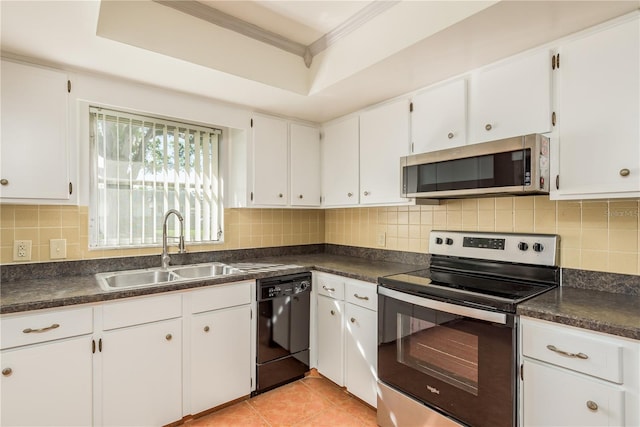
(607, 312)
(26, 295)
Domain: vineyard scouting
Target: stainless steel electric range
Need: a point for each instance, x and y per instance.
(447, 334)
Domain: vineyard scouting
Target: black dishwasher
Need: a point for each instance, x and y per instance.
(283, 330)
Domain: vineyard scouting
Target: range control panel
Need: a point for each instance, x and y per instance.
(538, 249)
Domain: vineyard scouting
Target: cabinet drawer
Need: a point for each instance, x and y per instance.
(574, 349)
(141, 310)
(557, 397)
(51, 325)
(221, 296)
(361, 293)
(330, 285)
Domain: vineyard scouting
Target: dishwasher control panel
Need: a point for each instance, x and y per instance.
(281, 286)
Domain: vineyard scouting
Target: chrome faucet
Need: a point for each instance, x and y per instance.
(165, 255)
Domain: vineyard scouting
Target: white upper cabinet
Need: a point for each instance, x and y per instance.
(511, 98)
(439, 117)
(34, 148)
(305, 165)
(270, 167)
(599, 114)
(340, 171)
(384, 138)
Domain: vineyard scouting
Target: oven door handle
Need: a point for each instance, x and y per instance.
(474, 313)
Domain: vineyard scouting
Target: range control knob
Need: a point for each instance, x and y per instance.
(438, 240)
(449, 241)
(523, 246)
(538, 247)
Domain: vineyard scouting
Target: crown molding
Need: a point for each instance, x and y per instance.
(224, 20)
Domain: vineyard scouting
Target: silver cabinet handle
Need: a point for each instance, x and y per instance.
(566, 353)
(333, 313)
(450, 135)
(349, 194)
(7, 372)
(206, 328)
(592, 405)
(625, 172)
(328, 289)
(4, 181)
(359, 297)
(353, 320)
(488, 127)
(38, 331)
(168, 337)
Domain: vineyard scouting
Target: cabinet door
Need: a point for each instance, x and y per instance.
(384, 138)
(361, 353)
(142, 374)
(48, 384)
(220, 357)
(305, 165)
(511, 99)
(599, 110)
(34, 151)
(270, 166)
(439, 117)
(340, 170)
(331, 339)
(559, 397)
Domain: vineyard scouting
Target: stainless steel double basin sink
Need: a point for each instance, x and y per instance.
(120, 280)
(128, 279)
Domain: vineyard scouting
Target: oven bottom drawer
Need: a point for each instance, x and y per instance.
(396, 409)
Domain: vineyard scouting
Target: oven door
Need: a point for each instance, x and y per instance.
(458, 360)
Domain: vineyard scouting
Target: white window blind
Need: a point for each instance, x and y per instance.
(144, 166)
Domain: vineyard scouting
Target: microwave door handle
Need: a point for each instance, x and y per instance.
(488, 316)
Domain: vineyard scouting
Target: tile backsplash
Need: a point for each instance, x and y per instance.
(595, 235)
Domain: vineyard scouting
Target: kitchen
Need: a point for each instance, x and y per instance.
(599, 235)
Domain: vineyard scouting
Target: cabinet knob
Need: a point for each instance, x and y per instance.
(168, 337)
(349, 194)
(333, 313)
(450, 135)
(353, 320)
(366, 193)
(625, 172)
(301, 197)
(7, 372)
(4, 181)
(206, 328)
(280, 195)
(488, 127)
(592, 405)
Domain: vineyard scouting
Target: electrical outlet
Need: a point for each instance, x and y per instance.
(22, 250)
(57, 248)
(382, 239)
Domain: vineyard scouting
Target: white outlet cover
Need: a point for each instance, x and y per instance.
(22, 250)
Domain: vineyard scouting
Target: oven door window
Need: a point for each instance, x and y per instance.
(439, 347)
(462, 366)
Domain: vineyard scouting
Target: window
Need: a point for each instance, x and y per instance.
(142, 167)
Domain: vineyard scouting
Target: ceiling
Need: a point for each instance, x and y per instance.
(363, 57)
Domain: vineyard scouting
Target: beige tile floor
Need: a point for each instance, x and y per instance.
(310, 402)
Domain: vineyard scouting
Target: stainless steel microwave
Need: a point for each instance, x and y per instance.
(516, 166)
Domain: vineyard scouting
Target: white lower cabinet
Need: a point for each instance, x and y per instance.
(575, 377)
(347, 325)
(331, 339)
(142, 375)
(141, 361)
(46, 364)
(219, 351)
